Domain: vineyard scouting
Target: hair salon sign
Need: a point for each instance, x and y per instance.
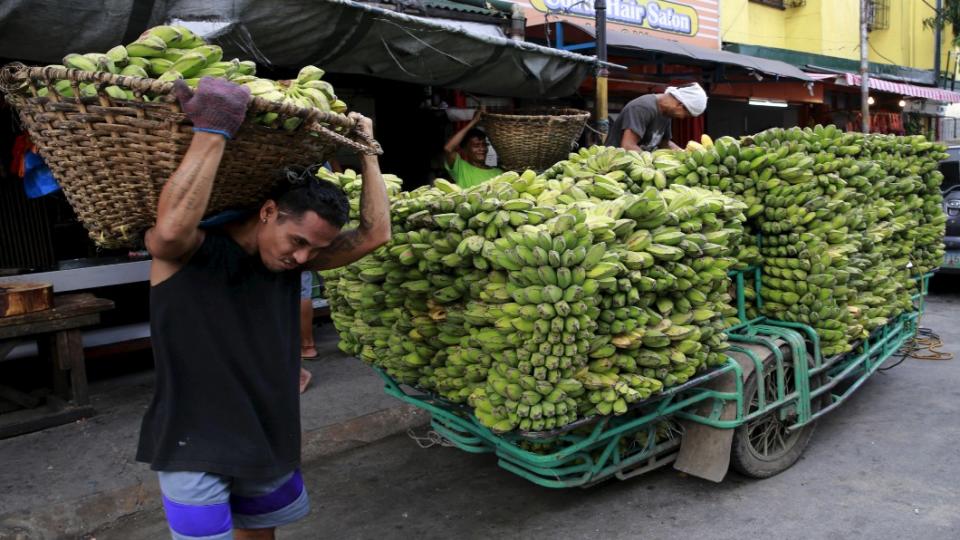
(658, 15)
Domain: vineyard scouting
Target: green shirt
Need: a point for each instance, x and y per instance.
(467, 175)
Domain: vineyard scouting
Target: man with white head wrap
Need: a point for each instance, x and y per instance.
(645, 122)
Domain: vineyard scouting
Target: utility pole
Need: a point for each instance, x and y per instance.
(864, 68)
(938, 35)
(600, 11)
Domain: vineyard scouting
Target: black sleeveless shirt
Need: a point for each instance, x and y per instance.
(226, 342)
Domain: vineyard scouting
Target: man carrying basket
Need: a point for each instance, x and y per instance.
(223, 430)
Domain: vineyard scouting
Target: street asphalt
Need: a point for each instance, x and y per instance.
(882, 466)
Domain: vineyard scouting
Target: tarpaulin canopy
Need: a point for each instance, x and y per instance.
(936, 94)
(341, 36)
(682, 51)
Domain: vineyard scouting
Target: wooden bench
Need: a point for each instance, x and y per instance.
(59, 339)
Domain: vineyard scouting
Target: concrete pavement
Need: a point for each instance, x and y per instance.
(66, 481)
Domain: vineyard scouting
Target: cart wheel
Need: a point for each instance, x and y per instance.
(763, 447)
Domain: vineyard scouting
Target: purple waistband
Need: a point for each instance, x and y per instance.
(281, 497)
(191, 520)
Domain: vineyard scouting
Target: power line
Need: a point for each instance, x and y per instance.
(735, 18)
(874, 49)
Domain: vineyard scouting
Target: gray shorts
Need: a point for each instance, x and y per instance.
(210, 506)
(306, 285)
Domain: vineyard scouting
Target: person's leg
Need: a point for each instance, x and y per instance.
(307, 347)
(305, 377)
(197, 505)
(261, 506)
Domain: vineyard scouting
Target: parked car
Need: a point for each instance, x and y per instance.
(950, 168)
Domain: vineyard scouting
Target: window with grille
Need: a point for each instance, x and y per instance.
(781, 4)
(878, 14)
(771, 3)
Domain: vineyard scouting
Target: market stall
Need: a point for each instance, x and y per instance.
(579, 319)
(895, 107)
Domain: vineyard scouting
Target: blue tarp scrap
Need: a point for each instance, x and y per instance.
(37, 178)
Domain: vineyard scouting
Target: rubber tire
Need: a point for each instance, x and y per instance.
(744, 459)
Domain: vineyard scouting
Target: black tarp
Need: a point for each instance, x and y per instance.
(341, 36)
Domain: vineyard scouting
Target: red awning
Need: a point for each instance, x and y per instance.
(926, 92)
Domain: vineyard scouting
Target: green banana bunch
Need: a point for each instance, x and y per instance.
(539, 315)
(841, 216)
(171, 53)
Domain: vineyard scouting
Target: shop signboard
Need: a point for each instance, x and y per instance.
(694, 22)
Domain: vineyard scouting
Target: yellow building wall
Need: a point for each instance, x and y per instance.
(831, 28)
(820, 27)
(841, 28)
(906, 42)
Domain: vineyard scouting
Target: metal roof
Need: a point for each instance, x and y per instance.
(464, 7)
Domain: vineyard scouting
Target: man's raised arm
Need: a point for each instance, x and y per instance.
(217, 109)
(450, 149)
(374, 228)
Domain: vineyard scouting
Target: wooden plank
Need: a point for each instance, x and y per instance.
(16, 396)
(44, 327)
(20, 422)
(60, 350)
(77, 365)
(21, 298)
(65, 306)
(46, 346)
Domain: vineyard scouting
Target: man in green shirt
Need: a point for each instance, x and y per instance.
(466, 155)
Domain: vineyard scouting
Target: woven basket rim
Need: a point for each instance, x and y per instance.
(14, 79)
(534, 141)
(111, 154)
(531, 114)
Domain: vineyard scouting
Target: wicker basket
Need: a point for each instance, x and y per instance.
(112, 156)
(534, 139)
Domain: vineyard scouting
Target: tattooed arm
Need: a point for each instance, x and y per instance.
(374, 228)
(184, 199)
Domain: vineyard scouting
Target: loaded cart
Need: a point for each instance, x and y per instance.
(760, 407)
(583, 323)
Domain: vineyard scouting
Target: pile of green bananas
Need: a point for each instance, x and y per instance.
(538, 299)
(807, 239)
(899, 179)
(169, 53)
(541, 300)
(307, 90)
(717, 166)
(847, 219)
(910, 188)
(352, 183)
